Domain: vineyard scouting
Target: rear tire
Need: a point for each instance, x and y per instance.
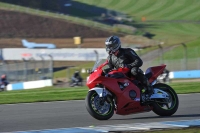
(159, 109)
(104, 112)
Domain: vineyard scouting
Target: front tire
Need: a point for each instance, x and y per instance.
(98, 109)
(166, 109)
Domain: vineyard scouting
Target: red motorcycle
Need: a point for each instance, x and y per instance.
(118, 92)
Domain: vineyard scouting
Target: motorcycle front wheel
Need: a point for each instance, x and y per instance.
(98, 107)
(166, 107)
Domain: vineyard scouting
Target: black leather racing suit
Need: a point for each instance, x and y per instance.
(127, 58)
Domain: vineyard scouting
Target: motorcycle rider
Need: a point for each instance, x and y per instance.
(125, 57)
(3, 82)
(76, 79)
(4, 79)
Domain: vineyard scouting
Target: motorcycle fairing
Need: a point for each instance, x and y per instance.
(125, 105)
(100, 91)
(94, 78)
(155, 72)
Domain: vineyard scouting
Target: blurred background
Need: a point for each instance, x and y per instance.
(160, 31)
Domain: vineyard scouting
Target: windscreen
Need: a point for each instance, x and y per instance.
(98, 63)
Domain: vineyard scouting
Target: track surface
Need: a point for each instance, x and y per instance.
(37, 116)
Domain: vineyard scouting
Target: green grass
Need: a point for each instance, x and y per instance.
(152, 9)
(161, 16)
(43, 95)
(144, 51)
(193, 51)
(70, 71)
(77, 93)
(186, 87)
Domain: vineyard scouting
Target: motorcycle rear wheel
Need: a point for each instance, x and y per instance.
(99, 108)
(166, 109)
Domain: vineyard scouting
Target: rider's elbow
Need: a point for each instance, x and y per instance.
(139, 63)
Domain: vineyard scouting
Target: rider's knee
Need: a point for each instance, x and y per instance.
(134, 71)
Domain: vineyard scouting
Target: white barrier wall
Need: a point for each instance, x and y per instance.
(37, 84)
(70, 54)
(30, 85)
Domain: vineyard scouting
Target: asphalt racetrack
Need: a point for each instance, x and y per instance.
(68, 114)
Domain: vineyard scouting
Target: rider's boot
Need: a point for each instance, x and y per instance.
(147, 86)
(148, 89)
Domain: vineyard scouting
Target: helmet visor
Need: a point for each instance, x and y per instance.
(111, 47)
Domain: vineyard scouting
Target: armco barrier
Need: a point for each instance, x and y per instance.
(30, 85)
(185, 74)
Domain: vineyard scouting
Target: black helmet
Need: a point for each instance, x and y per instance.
(112, 43)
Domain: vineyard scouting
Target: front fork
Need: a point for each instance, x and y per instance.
(104, 95)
